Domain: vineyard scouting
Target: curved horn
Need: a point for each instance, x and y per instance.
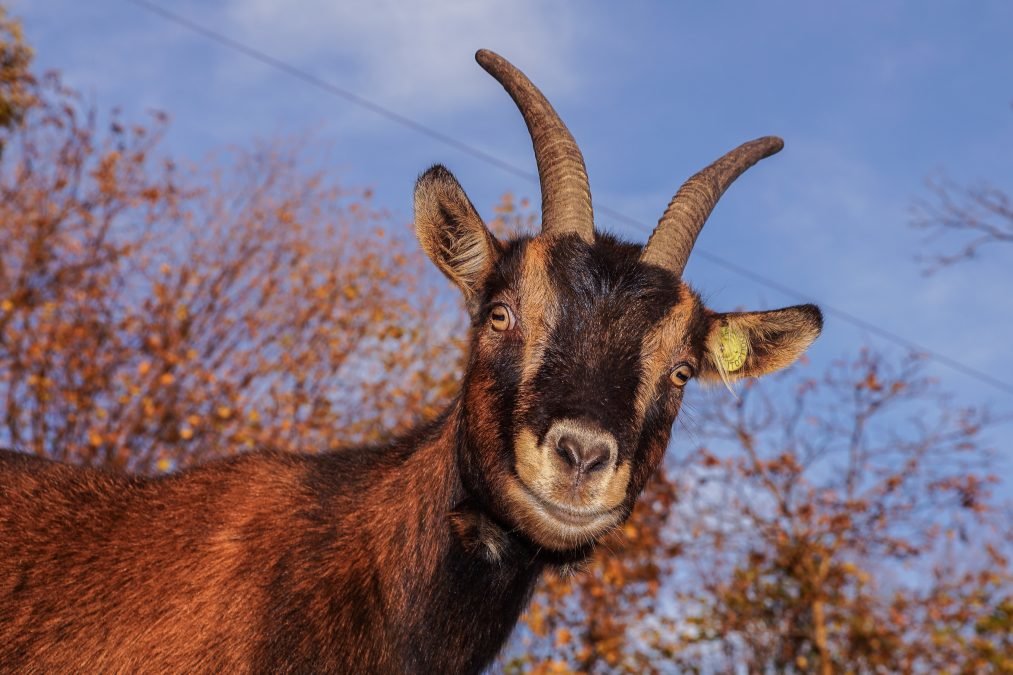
(566, 194)
(673, 238)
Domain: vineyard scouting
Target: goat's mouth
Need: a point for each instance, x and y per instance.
(568, 515)
(556, 525)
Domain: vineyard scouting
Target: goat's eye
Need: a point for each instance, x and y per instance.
(681, 374)
(502, 318)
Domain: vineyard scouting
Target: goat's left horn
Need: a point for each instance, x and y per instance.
(566, 193)
(673, 238)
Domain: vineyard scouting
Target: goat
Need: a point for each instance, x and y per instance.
(420, 555)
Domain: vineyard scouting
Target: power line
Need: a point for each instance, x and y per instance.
(477, 153)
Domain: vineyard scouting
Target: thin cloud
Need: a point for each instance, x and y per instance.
(415, 55)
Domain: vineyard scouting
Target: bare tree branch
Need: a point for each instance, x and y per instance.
(961, 220)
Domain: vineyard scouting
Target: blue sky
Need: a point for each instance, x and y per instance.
(871, 98)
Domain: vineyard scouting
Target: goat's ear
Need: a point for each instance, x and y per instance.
(452, 233)
(750, 344)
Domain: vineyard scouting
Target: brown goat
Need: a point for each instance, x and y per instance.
(420, 555)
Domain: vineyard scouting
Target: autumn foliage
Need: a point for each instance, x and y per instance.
(16, 90)
(154, 314)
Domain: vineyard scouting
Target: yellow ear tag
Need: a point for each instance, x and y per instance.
(733, 347)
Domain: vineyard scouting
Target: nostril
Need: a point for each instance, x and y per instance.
(584, 458)
(584, 449)
(596, 460)
(569, 449)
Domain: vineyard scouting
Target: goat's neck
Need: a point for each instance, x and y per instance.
(460, 580)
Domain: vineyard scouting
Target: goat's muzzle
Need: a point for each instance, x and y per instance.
(570, 486)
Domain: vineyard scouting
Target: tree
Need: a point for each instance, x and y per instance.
(842, 508)
(153, 315)
(16, 79)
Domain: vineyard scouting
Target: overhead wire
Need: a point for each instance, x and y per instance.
(468, 149)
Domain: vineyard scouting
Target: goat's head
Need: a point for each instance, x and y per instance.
(581, 344)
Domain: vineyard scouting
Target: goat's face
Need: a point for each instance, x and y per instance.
(576, 354)
(581, 344)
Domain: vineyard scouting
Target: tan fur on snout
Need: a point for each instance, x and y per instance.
(544, 489)
(530, 458)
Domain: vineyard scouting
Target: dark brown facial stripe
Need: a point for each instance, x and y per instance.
(588, 362)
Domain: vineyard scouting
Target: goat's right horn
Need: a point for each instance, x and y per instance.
(673, 238)
(566, 193)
